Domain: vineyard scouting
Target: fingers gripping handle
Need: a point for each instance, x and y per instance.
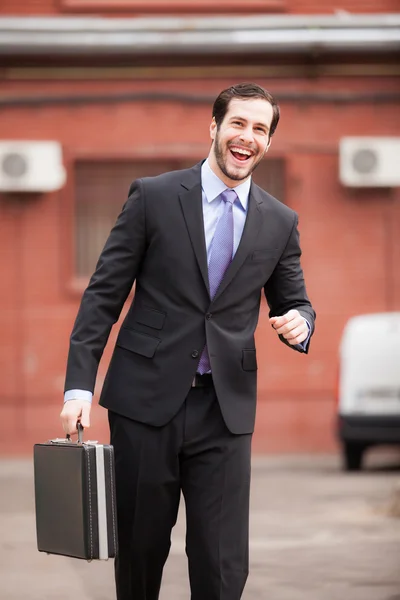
(80, 433)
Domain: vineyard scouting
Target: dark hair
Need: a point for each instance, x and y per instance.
(244, 91)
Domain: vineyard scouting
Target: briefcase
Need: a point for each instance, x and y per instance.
(75, 498)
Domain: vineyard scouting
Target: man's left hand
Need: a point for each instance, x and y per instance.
(292, 326)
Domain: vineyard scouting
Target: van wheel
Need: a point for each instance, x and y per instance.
(352, 456)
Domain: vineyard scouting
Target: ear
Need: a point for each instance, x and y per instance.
(268, 145)
(213, 129)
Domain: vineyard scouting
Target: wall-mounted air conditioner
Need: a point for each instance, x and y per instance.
(369, 161)
(27, 166)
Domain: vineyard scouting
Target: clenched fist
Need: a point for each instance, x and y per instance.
(292, 326)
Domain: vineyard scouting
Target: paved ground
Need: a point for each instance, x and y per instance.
(316, 534)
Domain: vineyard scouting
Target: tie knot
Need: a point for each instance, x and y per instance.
(229, 195)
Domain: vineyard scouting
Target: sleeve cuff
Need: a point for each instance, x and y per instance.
(304, 344)
(78, 395)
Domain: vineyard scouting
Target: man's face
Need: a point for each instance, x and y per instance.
(241, 141)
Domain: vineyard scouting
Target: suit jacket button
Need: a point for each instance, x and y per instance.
(208, 316)
(195, 353)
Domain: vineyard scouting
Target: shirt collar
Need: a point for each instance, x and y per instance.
(213, 186)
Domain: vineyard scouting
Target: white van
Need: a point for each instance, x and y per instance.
(369, 385)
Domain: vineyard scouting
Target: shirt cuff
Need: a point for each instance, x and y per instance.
(304, 344)
(78, 395)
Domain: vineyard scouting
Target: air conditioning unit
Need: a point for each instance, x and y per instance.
(31, 166)
(369, 161)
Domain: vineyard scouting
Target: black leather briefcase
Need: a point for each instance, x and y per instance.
(75, 498)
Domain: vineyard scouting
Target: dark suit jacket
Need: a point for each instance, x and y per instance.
(158, 241)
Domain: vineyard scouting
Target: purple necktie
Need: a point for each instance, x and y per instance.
(220, 258)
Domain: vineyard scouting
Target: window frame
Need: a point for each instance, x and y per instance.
(72, 283)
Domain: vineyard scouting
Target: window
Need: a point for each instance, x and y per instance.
(270, 176)
(102, 188)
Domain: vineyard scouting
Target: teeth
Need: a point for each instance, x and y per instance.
(241, 151)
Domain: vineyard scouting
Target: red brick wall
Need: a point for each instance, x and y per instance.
(54, 7)
(352, 6)
(347, 239)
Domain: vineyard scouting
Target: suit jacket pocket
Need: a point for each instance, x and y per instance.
(138, 342)
(249, 360)
(150, 317)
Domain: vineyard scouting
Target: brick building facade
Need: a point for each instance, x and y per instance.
(129, 95)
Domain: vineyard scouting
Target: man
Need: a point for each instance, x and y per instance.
(201, 244)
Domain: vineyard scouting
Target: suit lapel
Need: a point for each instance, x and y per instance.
(192, 208)
(259, 211)
(248, 239)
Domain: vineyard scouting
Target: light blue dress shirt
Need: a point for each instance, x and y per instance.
(213, 207)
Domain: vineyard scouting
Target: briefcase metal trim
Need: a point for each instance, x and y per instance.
(101, 503)
(99, 531)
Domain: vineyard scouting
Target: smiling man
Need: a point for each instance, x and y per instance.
(240, 141)
(201, 245)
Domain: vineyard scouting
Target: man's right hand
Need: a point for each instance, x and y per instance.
(74, 411)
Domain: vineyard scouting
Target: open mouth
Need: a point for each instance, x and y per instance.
(240, 154)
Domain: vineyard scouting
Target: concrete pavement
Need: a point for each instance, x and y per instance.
(316, 534)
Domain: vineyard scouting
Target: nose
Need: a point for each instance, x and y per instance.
(246, 135)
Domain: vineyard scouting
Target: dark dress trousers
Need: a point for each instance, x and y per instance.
(158, 242)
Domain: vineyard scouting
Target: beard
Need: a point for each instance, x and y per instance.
(232, 173)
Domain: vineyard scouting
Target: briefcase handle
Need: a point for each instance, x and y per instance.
(80, 433)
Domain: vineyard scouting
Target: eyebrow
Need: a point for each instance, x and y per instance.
(243, 119)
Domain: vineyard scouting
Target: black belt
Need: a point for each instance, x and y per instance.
(205, 380)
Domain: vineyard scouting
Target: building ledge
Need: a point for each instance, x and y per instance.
(95, 36)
